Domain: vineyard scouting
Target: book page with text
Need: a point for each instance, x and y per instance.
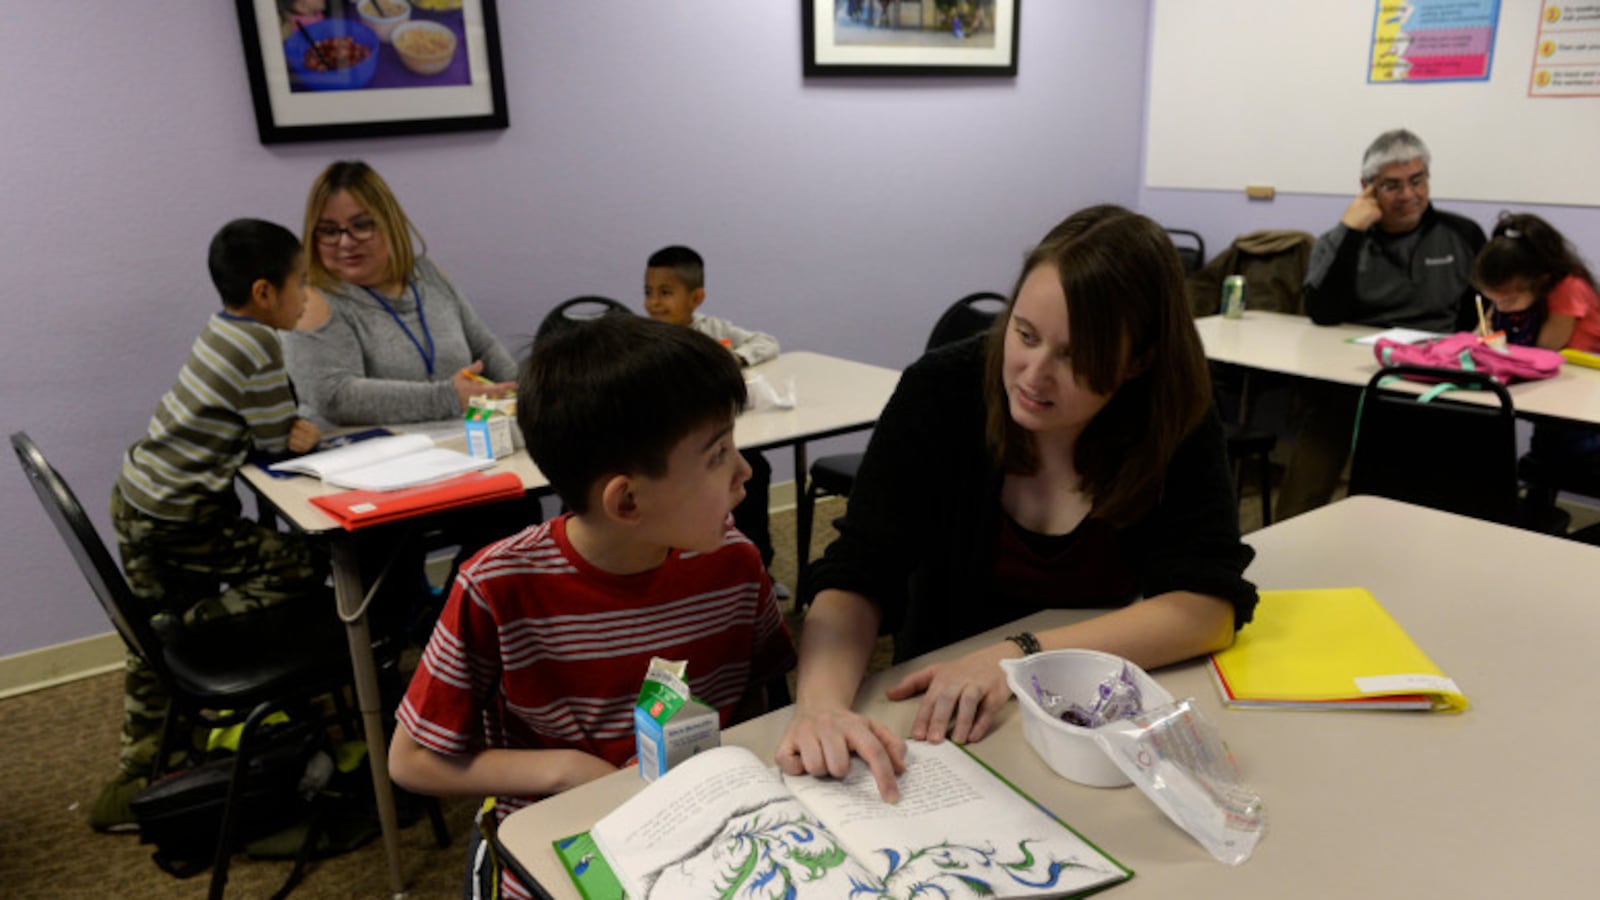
(957, 826)
(722, 824)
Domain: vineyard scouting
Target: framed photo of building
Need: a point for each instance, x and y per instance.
(332, 69)
(909, 37)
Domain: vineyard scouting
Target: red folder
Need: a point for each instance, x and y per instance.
(359, 509)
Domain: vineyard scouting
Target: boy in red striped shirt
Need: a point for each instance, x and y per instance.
(528, 684)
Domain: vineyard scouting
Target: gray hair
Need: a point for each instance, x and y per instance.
(1392, 147)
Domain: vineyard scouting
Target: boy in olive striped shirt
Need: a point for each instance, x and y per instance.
(188, 553)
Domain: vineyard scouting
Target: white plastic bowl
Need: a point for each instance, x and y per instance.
(431, 61)
(384, 25)
(1074, 674)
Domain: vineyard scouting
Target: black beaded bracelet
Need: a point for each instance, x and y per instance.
(1026, 641)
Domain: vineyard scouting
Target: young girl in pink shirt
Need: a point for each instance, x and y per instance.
(1543, 294)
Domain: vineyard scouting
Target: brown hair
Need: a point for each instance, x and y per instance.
(1128, 313)
(614, 394)
(369, 190)
(1526, 248)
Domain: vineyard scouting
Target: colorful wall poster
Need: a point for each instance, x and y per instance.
(1566, 55)
(1432, 40)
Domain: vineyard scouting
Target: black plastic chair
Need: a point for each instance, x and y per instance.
(835, 475)
(274, 659)
(578, 309)
(1449, 455)
(1191, 248)
(1545, 482)
(1244, 445)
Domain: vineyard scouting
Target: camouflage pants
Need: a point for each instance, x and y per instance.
(216, 564)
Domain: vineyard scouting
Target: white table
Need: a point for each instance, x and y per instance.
(1499, 801)
(833, 396)
(1294, 345)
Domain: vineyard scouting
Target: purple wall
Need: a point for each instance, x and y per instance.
(839, 215)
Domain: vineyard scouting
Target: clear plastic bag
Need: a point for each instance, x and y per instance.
(762, 394)
(1178, 758)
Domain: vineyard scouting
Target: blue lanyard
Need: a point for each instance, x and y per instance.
(428, 354)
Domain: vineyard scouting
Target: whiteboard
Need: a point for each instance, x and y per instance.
(1275, 93)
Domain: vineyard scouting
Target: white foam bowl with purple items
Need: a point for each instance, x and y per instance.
(1074, 675)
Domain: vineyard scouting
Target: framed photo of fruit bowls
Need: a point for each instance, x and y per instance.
(332, 69)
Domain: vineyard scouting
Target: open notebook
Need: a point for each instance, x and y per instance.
(384, 463)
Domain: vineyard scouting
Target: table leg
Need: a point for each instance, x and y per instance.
(348, 593)
(802, 514)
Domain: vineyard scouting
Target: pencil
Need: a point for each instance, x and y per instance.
(475, 376)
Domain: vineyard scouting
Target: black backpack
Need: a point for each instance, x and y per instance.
(181, 812)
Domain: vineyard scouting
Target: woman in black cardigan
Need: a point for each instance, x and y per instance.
(1070, 459)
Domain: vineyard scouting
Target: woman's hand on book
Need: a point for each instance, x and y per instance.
(821, 743)
(960, 697)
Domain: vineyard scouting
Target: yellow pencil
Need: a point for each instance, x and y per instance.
(475, 376)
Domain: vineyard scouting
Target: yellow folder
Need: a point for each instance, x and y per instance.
(1582, 358)
(1329, 649)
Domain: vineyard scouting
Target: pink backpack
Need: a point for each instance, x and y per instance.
(1464, 351)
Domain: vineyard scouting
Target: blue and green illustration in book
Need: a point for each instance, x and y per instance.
(724, 824)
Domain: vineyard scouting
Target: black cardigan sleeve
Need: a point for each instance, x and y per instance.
(1190, 540)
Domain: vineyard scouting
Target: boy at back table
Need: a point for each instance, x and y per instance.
(674, 288)
(179, 528)
(528, 684)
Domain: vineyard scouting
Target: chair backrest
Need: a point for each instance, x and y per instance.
(89, 552)
(1191, 248)
(578, 309)
(1455, 456)
(968, 316)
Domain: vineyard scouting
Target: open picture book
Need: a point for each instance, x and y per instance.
(725, 824)
(384, 463)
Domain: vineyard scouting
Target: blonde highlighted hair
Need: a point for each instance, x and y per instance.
(372, 194)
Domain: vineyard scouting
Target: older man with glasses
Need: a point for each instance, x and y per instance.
(1392, 260)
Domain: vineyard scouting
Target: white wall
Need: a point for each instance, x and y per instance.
(1275, 92)
(839, 215)
(1222, 215)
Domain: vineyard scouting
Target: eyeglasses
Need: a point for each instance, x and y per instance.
(1392, 186)
(328, 234)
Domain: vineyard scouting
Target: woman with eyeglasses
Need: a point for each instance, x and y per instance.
(386, 338)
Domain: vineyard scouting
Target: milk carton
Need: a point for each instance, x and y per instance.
(670, 726)
(489, 433)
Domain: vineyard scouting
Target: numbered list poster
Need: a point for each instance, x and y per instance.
(1566, 59)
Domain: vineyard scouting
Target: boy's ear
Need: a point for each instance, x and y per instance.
(262, 294)
(261, 297)
(617, 499)
(697, 298)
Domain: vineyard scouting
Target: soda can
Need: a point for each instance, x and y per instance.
(1233, 297)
